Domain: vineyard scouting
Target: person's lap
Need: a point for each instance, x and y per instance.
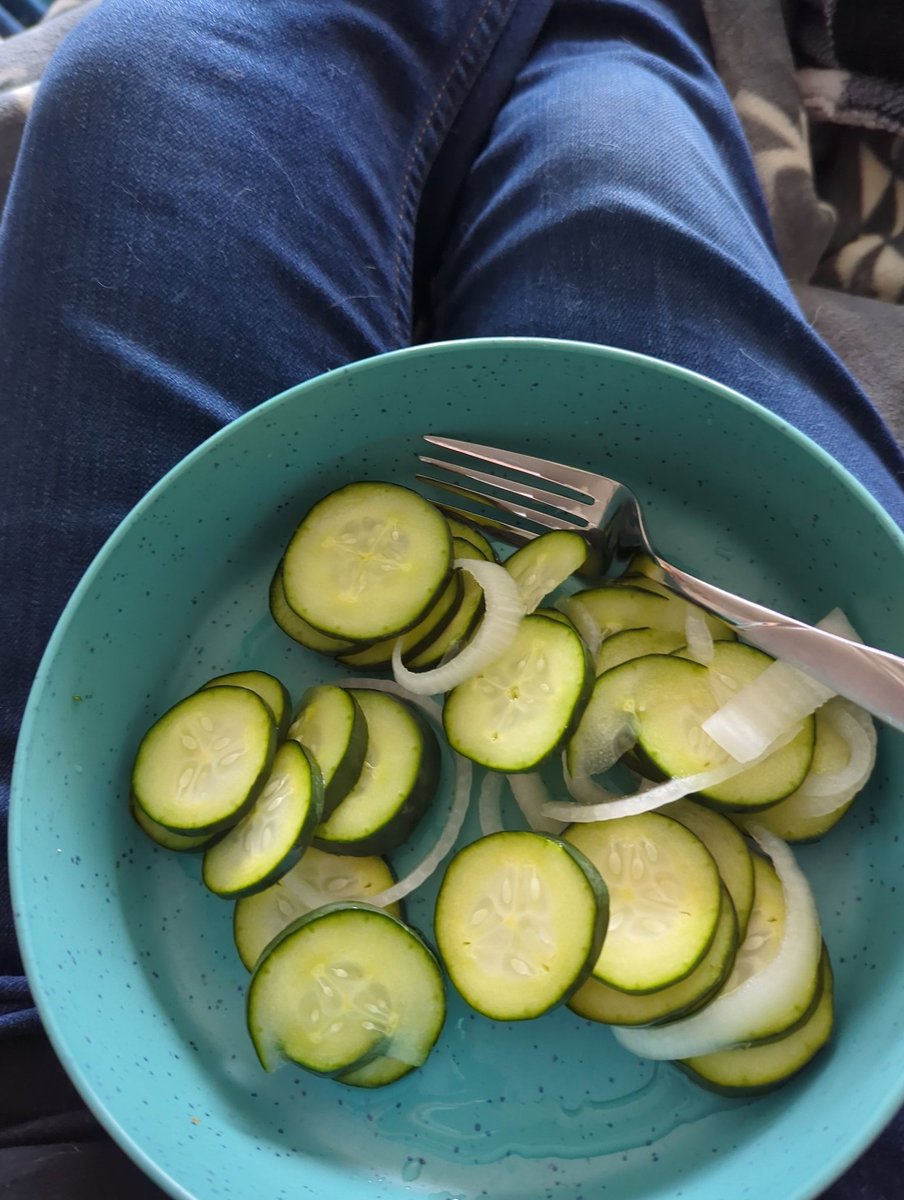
(616, 203)
(217, 201)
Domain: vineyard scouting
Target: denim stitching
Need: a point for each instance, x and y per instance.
(416, 160)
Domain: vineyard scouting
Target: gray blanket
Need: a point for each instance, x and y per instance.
(819, 88)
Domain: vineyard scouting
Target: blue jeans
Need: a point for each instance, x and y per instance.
(217, 199)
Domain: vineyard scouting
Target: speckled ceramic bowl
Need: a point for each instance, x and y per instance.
(132, 961)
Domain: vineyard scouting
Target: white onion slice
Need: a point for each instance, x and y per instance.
(727, 1020)
(499, 625)
(699, 637)
(778, 698)
(531, 795)
(597, 804)
(837, 787)
(489, 804)
(587, 627)
(461, 795)
(837, 622)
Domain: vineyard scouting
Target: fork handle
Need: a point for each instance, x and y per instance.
(872, 678)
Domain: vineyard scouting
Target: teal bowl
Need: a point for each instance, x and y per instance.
(131, 961)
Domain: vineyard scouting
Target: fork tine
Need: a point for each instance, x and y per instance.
(517, 510)
(509, 487)
(527, 464)
(491, 526)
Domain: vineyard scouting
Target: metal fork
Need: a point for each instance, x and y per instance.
(609, 516)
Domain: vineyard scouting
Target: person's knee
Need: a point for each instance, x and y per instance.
(631, 140)
(121, 68)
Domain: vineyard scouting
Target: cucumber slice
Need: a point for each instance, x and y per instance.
(330, 724)
(553, 614)
(396, 785)
(545, 563)
(341, 987)
(367, 561)
(729, 848)
(765, 931)
(599, 1002)
(635, 643)
(377, 1073)
(642, 603)
(317, 879)
(271, 690)
(802, 816)
(271, 836)
(664, 895)
(461, 625)
(735, 664)
(641, 569)
(296, 627)
(519, 709)
(379, 656)
(655, 707)
(520, 919)
(468, 533)
(614, 607)
(750, 1070)
(165, 838)
(201, 766)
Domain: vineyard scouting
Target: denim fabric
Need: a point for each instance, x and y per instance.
(25, 12)
(214, 201)
(217, 199)
(616, 203)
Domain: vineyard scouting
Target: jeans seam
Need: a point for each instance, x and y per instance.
(415, 172)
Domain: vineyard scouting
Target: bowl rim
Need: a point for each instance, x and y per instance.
(837, 1161)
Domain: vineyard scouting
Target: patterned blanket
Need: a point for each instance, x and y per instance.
(819, 88)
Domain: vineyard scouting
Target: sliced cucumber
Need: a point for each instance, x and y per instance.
(378, 1072)
(379, 655)
(599, 1001)
(655, 707)
(202, 765)
(296, 627)
(367, 561)
(518, 710)
(165, 838)
(545, 563)
(804, 816)
(749, 1070)
(641, 569)
(729, 848)
(614, 607)
(554, 614)
(652, 582)
(317, 879)
(733, 665)
(635, 643)
(639, 604)
(396, 785)
(520, 919)
(271, 836)
(461, 625)
(271, 690)
(330, 724)
(765, 931)
(468, 533)
(342, 986)
(664, 895)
